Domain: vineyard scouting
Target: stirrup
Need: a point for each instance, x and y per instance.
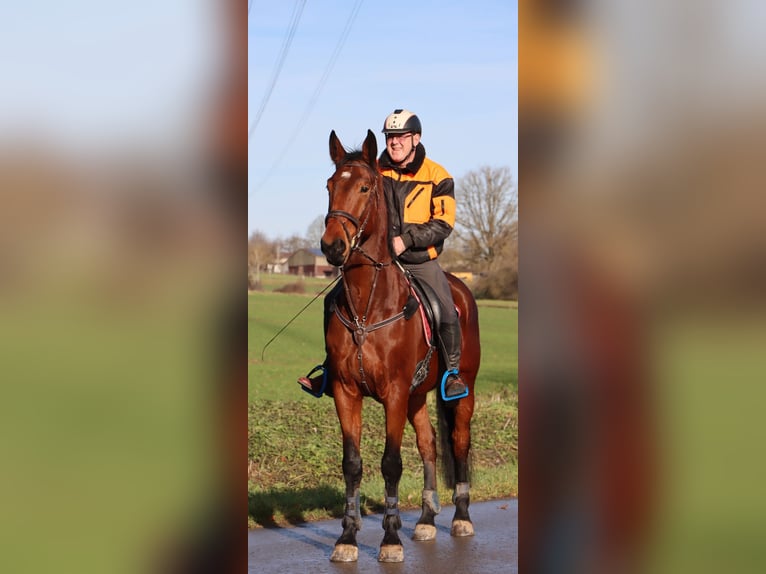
(324, 381)
(444, 386)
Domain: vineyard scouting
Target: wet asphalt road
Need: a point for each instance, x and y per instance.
(306, 549)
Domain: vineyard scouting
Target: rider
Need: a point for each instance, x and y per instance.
(421, 199)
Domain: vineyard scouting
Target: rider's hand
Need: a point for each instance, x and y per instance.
(398, 245)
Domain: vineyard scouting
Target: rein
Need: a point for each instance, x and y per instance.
(263, 351)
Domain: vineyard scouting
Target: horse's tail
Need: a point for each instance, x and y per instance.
(446, 416)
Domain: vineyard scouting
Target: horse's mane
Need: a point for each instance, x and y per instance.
(352, 155)
(357, 155)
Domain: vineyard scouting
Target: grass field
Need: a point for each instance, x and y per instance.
(294, 440)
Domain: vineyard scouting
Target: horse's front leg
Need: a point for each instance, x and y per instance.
(349, 410)
(425, 529)
(461, 438)
(391, 549)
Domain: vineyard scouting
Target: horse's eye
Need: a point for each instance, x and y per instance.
(365, 189)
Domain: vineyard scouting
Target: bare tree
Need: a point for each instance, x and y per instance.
(260, 252)
(453, 257)
(487, 216)
(315, 231)
(294, 243)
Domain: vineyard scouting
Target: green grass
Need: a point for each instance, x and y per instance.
(301, 345)
(271, 282)
(294, 440)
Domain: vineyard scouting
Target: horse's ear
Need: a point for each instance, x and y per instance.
(370, 149)
(337, 151)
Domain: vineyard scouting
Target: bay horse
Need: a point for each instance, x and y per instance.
(373, 350)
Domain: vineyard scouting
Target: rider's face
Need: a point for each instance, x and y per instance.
(400, 146)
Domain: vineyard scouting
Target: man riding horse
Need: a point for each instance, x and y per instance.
(421, 203)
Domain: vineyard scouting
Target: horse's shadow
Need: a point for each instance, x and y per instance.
(293, 504)
(264, 505)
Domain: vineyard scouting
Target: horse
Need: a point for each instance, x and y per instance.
(374, 350)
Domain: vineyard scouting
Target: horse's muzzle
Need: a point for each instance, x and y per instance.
(335, 252)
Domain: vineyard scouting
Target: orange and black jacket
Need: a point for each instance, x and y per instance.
(421, 205)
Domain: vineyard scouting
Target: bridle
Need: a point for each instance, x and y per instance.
(341, 215)
(356, 324)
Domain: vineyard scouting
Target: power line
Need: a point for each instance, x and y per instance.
(294, 19)
(249, 5)
(315, 96)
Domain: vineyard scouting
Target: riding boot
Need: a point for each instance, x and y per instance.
(316, 385)
(450, 336)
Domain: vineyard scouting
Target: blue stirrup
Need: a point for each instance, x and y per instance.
(443, 386)
(324, 381)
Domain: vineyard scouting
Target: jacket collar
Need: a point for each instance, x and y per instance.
(412, 167)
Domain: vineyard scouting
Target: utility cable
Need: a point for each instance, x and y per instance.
(295, 18)
(315, 96)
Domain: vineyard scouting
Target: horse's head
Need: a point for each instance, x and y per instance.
(353, 190)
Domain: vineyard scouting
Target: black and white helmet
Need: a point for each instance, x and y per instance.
(402, 122)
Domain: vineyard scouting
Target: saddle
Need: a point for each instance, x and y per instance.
(423, 297)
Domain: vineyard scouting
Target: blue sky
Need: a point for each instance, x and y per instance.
(452, 63)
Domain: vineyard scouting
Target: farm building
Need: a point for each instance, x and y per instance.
(279, 266)
(310, 263)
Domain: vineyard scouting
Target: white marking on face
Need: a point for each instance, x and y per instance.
(345, 174)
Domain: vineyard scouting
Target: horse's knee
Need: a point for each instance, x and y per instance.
(391, 465)
(352, 462)
(426, 441)
(461, 440)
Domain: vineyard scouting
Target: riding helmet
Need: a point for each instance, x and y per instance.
(402, 122)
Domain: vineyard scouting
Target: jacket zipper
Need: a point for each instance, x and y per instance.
(415, 197)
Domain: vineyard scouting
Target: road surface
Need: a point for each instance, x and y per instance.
(306, 549)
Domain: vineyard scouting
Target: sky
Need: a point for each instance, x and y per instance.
(454, 64)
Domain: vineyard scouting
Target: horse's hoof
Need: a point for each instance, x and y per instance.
(424, 532)
(391, 553)
(461, 528)
(345, 553)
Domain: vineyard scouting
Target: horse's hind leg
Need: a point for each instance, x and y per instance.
(461, 439)
(350, 415)
(391, 466)
(417, 413)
